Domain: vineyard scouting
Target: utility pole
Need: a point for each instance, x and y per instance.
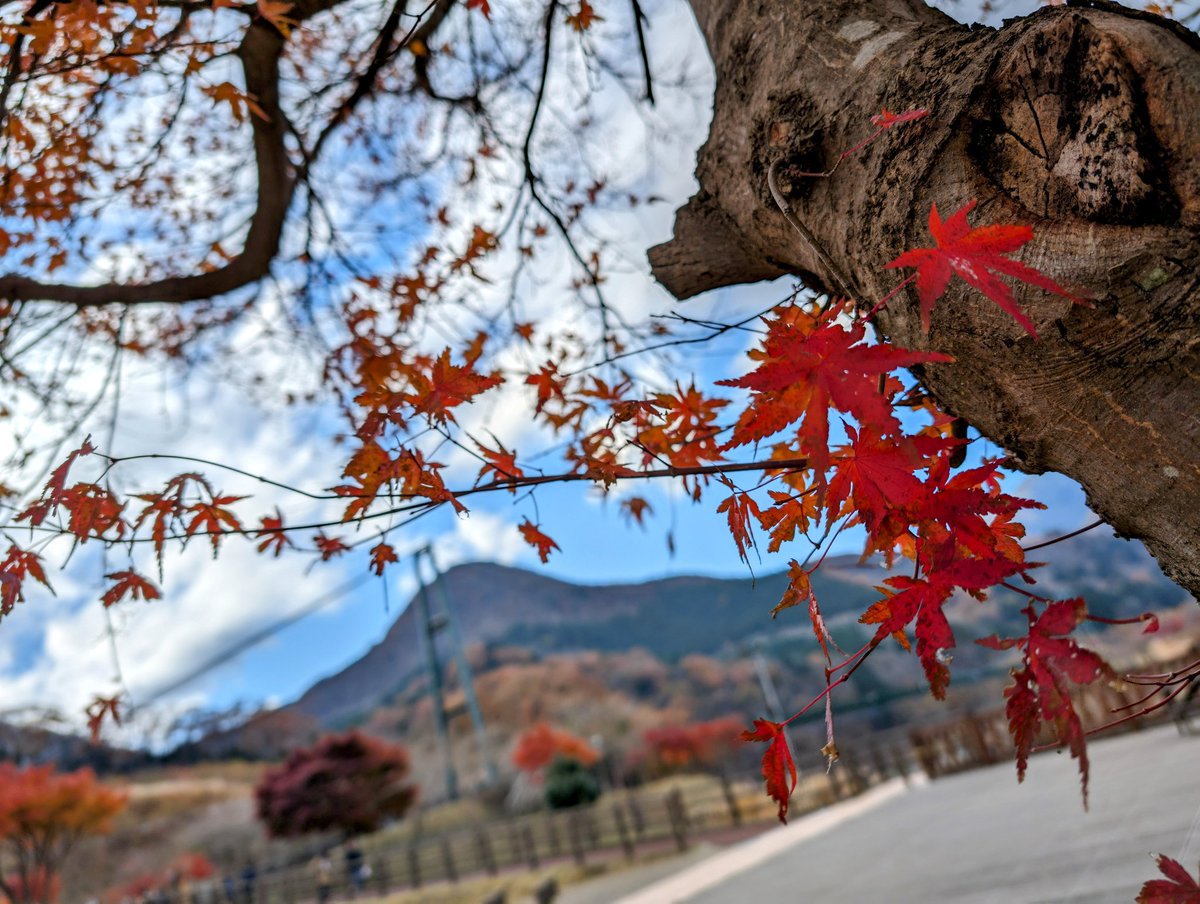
(425, 632)
(466, 676)
(431, 622)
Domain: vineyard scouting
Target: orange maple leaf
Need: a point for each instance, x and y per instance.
(240, 102)
(446, 386)
(535, 538)
(739, 507)
(382, 556)
(275, 12)
(582, 19)
(635, 508)
(502, 464)
(549, 385)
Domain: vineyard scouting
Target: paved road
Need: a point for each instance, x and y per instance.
(980, 838)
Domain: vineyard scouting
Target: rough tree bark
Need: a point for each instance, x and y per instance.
(1080, 121)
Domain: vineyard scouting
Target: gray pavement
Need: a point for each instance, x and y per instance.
(607, 889)
(980, 838)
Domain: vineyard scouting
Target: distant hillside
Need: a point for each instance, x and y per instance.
(509, 607)
(497, 606)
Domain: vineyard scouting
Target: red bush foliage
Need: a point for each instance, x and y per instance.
(699, 744)
(344, 782)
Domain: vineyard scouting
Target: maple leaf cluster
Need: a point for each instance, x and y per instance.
(1041, 689)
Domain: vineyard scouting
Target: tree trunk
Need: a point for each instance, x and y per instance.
(1079, 121)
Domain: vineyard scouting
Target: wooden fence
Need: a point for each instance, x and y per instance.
(622, 824)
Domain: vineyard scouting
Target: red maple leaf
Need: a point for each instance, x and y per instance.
(1177, 888)
(810, 363)
(921, 599)
(777, 766)
(382, 556)
(93, 511)
(977, 255)
(55, 489)
(482, 5)
(17, 565)
(1040, 691)
(329, 546)
(535, 538)
(876, 473)
(98, 710)
(213, 519)
(164, 509)
(272, 534)
(128, 583)
(962, 502)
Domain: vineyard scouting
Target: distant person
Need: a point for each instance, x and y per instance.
(323, 869)
(230, 889)
(354, 867)
(249, 878)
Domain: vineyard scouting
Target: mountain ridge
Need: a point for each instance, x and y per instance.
(502, 606)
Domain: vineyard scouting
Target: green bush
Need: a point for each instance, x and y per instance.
(569, 784)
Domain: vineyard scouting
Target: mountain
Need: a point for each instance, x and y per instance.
(496, 606)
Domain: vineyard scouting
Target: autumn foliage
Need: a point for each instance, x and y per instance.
(828, 428)
(347, 783)
(852, 443)
(539, 746)
(697, 745)
(43, 814)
